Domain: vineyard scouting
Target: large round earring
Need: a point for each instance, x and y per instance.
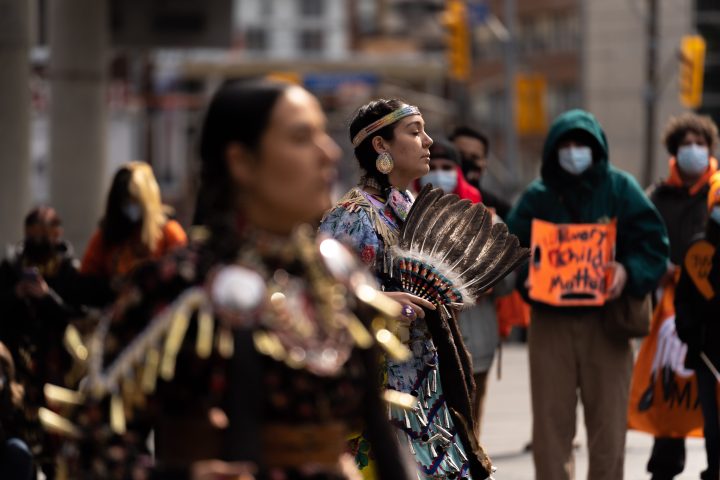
(384, 163)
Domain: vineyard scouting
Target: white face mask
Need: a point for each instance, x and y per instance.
(443, 179)
(715, 214)
(693, 159)
(575, 160)
(133, 212)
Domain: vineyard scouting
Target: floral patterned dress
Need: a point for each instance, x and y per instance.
(370, 225)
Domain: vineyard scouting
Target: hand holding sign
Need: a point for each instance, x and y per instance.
(616, 280)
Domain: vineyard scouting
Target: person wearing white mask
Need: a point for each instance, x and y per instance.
(690, 140)
(572, 353)
(446, 173)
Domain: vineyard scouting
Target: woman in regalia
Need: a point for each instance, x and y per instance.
(392, 148)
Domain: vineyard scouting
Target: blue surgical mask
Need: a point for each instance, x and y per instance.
(575, 160)
(693, 159)
(132, 212)
(443, 179)
(715, 214)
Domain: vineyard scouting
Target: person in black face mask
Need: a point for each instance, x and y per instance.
(39, 294)
(474, 147)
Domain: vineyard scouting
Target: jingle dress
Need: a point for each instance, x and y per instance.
(371, 225)
(259, 360)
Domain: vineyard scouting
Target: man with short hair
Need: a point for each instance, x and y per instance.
(39, 288)
(474, 148)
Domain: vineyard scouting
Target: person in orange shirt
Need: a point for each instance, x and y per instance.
(135, 227)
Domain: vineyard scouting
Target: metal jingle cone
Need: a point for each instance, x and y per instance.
(173, 342)
(53, 422)
(148, 380)
(57, 394)
(460, 452)
(205, 333)
(117, 414)
(225, 342)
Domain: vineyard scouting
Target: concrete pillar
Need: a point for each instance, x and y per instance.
(78, 69)
(14, 119)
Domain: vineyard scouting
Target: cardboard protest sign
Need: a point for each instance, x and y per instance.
(663, 393)
(568, 262)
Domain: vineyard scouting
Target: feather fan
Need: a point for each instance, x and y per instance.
(449, 251)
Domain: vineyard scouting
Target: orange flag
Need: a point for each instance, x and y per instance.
(511, 311)
(663, 394)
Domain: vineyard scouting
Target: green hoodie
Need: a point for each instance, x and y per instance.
(599, 194)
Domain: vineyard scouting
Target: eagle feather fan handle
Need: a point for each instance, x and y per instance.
(449, 251)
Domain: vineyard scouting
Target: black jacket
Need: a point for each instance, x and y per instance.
(36, 324)
(697, 319)
(684, 213)
(502, 207)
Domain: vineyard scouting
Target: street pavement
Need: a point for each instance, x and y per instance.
(507, 426)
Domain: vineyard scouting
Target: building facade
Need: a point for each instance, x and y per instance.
(591, 55)
(292, 29)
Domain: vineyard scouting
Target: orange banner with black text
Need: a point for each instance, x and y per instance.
(663, 393)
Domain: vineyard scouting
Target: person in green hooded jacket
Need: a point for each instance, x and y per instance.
(571, 351)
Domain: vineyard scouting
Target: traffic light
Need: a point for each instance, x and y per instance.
(530, 109)
(692, 67)
(459, 55)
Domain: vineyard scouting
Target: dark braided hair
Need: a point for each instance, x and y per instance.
(239, 112)
(365, 152)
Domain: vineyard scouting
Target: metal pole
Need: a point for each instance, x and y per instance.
(710, 366)
(511, 147)
(148, 89)
(651, 92)
(461, 96)
(14, 119)
(584, 22)
(78, 70)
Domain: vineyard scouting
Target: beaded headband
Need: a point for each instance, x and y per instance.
(388, 119)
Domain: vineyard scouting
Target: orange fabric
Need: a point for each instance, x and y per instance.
(173, 236)
(512, 311)
(672, 411)
(714, 193)
(119, 260)
(675, 180)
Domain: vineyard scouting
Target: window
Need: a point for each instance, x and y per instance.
(312, 41)
(256, 39)
(312, 8)
(561, 98)
(367, 17)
